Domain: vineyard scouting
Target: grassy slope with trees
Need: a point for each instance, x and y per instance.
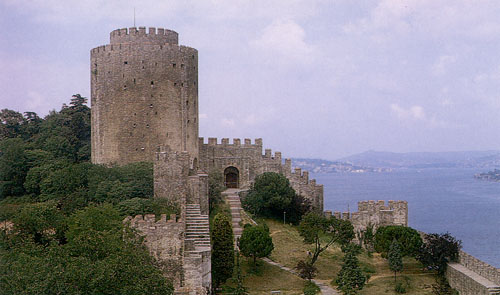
(64, 215)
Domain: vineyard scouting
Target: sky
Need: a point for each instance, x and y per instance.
(315, 78)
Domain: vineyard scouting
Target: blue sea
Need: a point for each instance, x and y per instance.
(439, 200)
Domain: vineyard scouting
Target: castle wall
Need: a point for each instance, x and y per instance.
(144, 95)
(250, 162)
(471, 276)
(164, 240)
(376, 214)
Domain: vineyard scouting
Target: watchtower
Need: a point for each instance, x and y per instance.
(144, 96)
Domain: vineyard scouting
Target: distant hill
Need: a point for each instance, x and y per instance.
(325, 166)
(421, 160)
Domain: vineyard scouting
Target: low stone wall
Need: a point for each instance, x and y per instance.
(164, 240)
(471, 276)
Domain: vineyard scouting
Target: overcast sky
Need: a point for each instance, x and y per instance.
(322, 79)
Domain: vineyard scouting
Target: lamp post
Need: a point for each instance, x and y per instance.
(284, 215)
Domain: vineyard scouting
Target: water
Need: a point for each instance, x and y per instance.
(439, 200)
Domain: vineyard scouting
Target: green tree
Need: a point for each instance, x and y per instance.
(350, 279)
(438, 250)
(316, 228)
(222, 249)
(256, 242)
(442, 287)
(394, 258)
(10, 123)
(215, 189)
(408, 238)
(239, 289)
(272, 195)
(13, 167)
(306, 270)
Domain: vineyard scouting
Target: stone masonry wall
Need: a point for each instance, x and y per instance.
(164, 239)
(144, 95)
(250, 162)
(375, 213)
(471, 276)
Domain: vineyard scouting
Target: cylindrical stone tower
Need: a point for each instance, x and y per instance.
(144, 96)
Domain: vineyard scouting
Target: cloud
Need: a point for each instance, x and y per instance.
(284, 41)
(440, 67)
(414, 112)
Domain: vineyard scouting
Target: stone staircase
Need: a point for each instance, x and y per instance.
(197, 227)
(233, 199)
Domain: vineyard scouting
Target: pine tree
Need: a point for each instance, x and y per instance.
(350, 279)
(256, 242)
(239, 289)
(395, 259)
(222, 249)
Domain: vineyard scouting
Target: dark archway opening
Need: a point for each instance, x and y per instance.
(231, 177)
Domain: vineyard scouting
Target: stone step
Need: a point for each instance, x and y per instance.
(198, 217)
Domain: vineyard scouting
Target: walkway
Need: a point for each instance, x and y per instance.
(233, 199)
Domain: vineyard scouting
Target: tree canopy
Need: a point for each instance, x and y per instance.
(222, 249)
(408, 238)
(316, 229)
(438, 250)
(256, 242)
(272, 196)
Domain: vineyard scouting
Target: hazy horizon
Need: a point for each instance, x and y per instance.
(314, 79)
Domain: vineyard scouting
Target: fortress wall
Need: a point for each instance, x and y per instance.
(164, 240)
(144, 95)
(171, 177)
(376, 214)
(248, 158)
(471, 276)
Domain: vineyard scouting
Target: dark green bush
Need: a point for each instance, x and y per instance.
(407, 237)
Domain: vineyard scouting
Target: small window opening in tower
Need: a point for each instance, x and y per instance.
(156, 63)
(135, 114)
(151, 105)
(123, 75)
(156, 113)
(134, 80)
(193, 56)
(124, 87)
(175, 83)
(194, 83)
(136, 150)
(152, 83)
(135, 125)
(182, 66)
(173, 65)
(142, 61)
(188, 121)
(143, 67)
(187, 102)
(142, 149)
(147, 125)
(109, 72)
(167, 134)
(182, 84)
(125, 62)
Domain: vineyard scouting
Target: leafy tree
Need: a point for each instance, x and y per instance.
(41, 223)
(306, 270)
(438, 250)
(239, 289)
(314, 228)
(13, 167)
(10, 123)
(350, 279)
(215, 189)
(222, 249)
(271, 195)
(394, 258)
(368, 238)
(256, 242)
(408, 238)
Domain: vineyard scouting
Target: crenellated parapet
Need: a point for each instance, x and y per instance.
(236, 142)
(376, 214)
(164, 238)
(158, 36)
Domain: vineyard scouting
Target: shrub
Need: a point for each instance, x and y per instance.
(311, 288)
(407, 237)
(400, 288)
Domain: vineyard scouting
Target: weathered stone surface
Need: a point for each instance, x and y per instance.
(144, 96)
(248, 159)
(471, 276)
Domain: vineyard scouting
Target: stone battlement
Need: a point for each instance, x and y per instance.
(149, 220)
(247, 142)
(139, 35)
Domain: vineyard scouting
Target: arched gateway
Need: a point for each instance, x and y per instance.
(231, 177)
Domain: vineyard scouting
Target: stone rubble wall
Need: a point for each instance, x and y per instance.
(164, 240)
(250, 161)
(376, 214)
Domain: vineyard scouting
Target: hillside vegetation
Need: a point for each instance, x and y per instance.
(62, 231)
